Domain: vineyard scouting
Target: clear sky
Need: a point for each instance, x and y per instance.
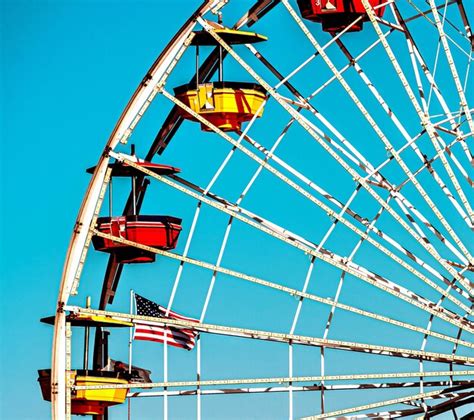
(67, 70)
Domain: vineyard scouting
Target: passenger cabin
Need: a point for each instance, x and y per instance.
(225, 104)
(90, 401)
(155, 231)
(337, 15)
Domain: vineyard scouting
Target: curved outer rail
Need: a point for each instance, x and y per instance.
(150, 85)
(72, 265)
(165, 134)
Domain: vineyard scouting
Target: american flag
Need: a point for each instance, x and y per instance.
(178, 337)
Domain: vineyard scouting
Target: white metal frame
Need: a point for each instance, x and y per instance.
(455, 287)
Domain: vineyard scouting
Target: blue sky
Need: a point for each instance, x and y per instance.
(60, 95)
(68, 69)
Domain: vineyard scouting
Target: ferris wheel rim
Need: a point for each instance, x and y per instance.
(101, 173)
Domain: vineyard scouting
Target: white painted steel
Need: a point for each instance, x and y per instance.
(458, 289)
(127, 121)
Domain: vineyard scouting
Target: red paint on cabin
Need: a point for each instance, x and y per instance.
(336, 15)
(155, 231)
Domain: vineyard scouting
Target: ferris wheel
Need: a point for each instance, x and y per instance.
(297, 232)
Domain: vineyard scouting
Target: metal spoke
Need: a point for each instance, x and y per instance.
(284, 338)
(408, 205)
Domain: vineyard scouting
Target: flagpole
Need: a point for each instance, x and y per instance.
(290, 384)
(130, 338)
(198, 377)
(175, 336)
(130, 347)
(165, 374)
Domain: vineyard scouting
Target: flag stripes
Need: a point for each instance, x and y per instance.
(177, 337)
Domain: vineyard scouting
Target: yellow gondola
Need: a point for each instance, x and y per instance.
(225, 104)
(89, 401)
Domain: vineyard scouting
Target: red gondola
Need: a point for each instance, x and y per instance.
(337, 15)
(156, 231)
